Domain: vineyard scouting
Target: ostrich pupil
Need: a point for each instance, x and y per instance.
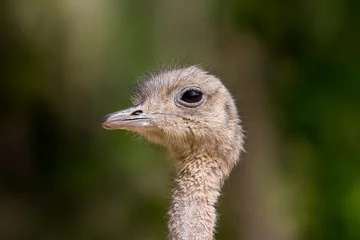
(192, 96)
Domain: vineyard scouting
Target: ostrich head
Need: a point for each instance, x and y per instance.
(181, 109)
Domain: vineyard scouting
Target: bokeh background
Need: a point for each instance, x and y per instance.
(293, 66)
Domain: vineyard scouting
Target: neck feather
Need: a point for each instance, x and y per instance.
(197, 187)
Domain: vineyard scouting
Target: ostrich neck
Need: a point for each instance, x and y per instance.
(198, 182)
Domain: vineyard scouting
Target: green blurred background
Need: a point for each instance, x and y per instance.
(293, 66)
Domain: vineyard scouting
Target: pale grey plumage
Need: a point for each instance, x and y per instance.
(204, 137)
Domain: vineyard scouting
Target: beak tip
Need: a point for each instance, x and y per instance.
(105, 125)
(104, 119)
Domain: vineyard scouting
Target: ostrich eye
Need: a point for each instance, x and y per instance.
(192, 96)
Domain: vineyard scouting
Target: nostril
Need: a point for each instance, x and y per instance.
(137, 112)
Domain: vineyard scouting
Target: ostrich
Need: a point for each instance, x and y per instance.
(191, 114)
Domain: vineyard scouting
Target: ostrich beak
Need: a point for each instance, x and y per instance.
(128, 119)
